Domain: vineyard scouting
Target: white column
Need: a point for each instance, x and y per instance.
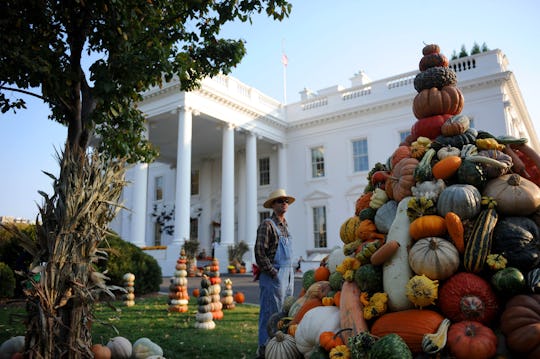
(139, 193)
(282, 166)
(183, 176)
(251, 196)
(205, 220)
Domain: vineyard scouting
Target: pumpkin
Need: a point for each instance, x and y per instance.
(329, 340)
(520, 323)
(469, 339)
(101, 351)
(422, 291)
(509, 281)
(11, 346)
(446, 168)
(400, 153)
(322, 273)
(438, 77)
(446, 101)
(411, 325)
(455, 125)
(428, 126)
(144, 347)
(467, 296)
(462, 199)
(120, 347)
(515, 195)
(402, 179)
(385, 216)
(335, 258)
(282, 345)
(433, 60)
(362, 202)
(340, 352)
(431, 49)
(239, 297)
(428, 226)
(317, 320)
(518, 239)
(435, 257)
(448, 151)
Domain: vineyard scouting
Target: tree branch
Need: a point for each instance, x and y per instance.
(26, 92)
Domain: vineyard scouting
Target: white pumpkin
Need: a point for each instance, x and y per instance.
(120, 347)
(315, 321)
(11, 346)
(335, 258)
(144, 348)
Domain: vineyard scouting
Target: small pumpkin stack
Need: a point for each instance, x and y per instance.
(129, 286)
(442, 254)
(178, 290)
(204, 318)
(227, 298)
(212, 271)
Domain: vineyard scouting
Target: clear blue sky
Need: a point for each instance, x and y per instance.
(326, 44)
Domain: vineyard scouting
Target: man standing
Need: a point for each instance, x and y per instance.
(273, 254)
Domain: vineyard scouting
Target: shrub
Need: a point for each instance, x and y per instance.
(14, 255)
(125, 258)
(7, 281)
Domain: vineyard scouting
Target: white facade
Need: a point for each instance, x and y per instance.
(225, 128)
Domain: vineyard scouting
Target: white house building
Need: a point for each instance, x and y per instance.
(226, 146)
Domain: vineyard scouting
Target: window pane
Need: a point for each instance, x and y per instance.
(360, 155)
(264, 171)
(194, 228)
(158, 183)
(195, 182)
(317, 162)
(319, 227)
(157, 234)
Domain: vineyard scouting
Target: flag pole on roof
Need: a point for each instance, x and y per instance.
(285, 62)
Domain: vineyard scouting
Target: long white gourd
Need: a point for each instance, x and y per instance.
(396, 271)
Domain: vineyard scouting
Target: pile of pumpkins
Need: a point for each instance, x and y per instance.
(442, 255)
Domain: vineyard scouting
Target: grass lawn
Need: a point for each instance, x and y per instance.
(235, 336)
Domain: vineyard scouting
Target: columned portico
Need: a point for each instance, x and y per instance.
(227, 197)
(251, 196)
(183, 176)
(139, 217)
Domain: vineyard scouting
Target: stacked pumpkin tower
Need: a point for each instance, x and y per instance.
(204, 318)
(227, 298)
(178, 290)
(215, 289)
(442, 255)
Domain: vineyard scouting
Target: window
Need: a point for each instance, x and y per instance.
(194, 228)
(264, 171)
(319, 227)
(360, 155)
(317, 162)
(194, 182)
(403, 135)
(263, 215)
(158, 187)
(157, 234)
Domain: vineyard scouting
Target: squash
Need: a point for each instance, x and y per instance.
(470, 172)
(469, 339)
(434, 342)
(455, 230)
(384, 253)
(458, 141)
(308, 304)
(316, 321)
(520, 323)
(402, 179)
(420, 206)
(428, 126)
(144, 347)
(435, 257)
(340, 352)
(391, 346)
(467, 296)
(433, 101)
(479, 240)
(335, 258)
(120, 347)
(494, 169)
(509, 281)
(362, 202)
(348, 230)
(322, 273)
(518, 239)
(368, 278)
(438, 77)
(462, 199)
(431, 49)
(446, 168)
(428, 189)
(432, 60)
(351, 310)
(399, 153)
(455, 125)
(100, 351)
(422, 291)
(515, 195)
(411, 325)
(11, 346)
(448, 151)
(533, 280)
(396, 271)
(427, 226)
(385, 215)
(422, 172)
(282, 345)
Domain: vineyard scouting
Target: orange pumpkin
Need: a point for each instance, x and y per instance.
(337, 298)
(322, 273)
(329, 340)
(467, 339)
(427, 226)
(400, 153)
(239, 297)
(196, 292)
(362, 202)
(101, 351)
(430, 102)
(402, 179)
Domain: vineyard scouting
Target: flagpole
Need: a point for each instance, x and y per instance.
(284, 61)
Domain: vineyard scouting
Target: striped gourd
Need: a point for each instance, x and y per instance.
(348, 229)
(479, 240)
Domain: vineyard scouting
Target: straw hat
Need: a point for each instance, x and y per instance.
(278, 193)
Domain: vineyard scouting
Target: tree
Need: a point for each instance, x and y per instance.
(131, 45)
(463, 52)
(475, 49)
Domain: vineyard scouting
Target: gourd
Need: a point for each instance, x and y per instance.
(391, 346)
(316, 321)
(100, 351)
(427, 226)
(479, 240)
(467, 296)
(399, 153)
(396, 271)
(469, 339)
(384, 253)
(120, 347)
(470, 172)
(368, 278)
(448, 151)
(462, 199)
(428, 189)
(434, 101)
(509, 281)
(385, 215)
(533, 280)
(350, 310)
(422, 172)
(348, 229)
(446, 168)
(435, 257)
(518, 239)
(433, 60)
(428, 126)
(411, 325)
(282, 345)
(458, 141)
(520, 323)
(335, 258)
(435, 77)
(433, 343)
(400, 182)
(494, 169)
(422, 291)
(515, 195)
(144, 348)
(455, 125)
(455, 230)
(11, 346)
(322, 273)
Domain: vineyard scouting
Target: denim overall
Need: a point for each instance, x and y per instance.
(274, 290)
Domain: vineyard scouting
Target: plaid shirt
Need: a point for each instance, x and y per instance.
(267, 243)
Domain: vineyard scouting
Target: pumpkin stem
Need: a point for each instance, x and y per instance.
(514, 180)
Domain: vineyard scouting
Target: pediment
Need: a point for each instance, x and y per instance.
(316, 195)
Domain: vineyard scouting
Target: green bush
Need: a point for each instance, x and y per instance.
(12, 254)
(7, 281)
(125, 258)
